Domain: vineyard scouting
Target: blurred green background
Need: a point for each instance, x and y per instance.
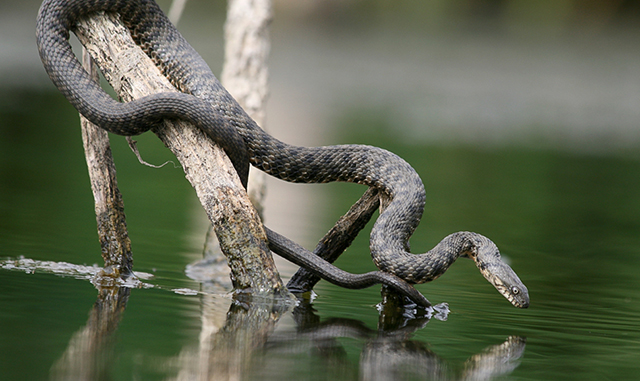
(521, 118)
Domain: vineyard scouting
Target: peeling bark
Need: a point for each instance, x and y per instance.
(132, 74)
(109, 207)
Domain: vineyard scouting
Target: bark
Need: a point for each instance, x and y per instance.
(338, 239)
(109, 207)
(132, 74)
(245, 73)
(245, 76)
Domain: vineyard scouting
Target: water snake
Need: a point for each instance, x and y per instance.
(209, 106)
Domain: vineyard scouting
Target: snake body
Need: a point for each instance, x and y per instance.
(210, 107)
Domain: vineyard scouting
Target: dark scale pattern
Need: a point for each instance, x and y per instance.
(209, 106)
(56, 18)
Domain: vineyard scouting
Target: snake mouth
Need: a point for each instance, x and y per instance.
(517, 295)
(504, 279)
(517, 302)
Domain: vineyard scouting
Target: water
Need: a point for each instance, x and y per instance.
(566, 222)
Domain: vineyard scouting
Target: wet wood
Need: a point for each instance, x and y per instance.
(109, 207)
(245, 76)
(236, 223)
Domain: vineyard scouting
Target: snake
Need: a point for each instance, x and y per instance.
(203, 101)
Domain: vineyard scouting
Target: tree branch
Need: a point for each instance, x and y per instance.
(109, 207)
(132, 74)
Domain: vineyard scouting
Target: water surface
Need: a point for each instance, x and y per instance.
(567, 223)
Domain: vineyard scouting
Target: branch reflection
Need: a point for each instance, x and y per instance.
(90, 351)
(250, 341)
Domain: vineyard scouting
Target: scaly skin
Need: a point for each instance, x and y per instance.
(209, 106)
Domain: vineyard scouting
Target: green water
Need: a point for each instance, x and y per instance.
(567, 223)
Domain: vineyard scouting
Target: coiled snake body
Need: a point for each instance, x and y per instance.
(208, 105)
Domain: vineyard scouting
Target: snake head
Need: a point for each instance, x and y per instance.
(509, 285)
(487, 257)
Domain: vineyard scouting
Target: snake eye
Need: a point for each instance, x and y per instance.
(515, 290)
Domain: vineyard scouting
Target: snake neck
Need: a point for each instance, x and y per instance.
(422, 268)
